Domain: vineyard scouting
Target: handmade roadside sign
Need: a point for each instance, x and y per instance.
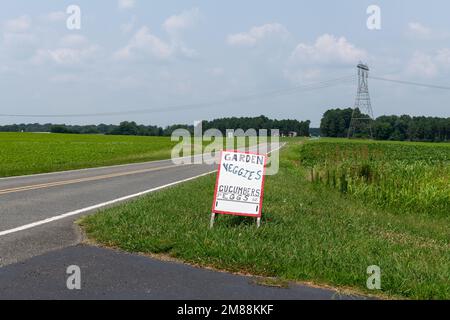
(240, 185)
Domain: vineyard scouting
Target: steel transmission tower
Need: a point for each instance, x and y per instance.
(362, 116)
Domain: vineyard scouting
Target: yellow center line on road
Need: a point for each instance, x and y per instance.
(73, 181)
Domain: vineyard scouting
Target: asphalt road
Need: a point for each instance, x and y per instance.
(38, 239)
(108, 274)
(27, 202)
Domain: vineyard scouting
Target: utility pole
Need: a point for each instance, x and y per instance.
(364, 117)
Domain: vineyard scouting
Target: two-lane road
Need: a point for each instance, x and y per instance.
(37, 212)
(38, 240)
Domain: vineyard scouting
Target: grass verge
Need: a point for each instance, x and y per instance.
(310, 233)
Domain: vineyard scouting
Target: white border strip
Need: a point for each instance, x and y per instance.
(105, 204)
(98, 206)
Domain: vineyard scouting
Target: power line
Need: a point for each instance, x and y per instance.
(417, 84)
(269, 94)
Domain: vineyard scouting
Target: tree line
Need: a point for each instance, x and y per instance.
(301, 128)
(286, 127)
(336, 122)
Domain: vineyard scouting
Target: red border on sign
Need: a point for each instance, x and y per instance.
(262, 187)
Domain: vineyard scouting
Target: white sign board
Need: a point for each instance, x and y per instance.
(240, 184)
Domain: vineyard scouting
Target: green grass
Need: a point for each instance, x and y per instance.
(327, 149)
(310, 232)
(29, 153)
(405, 177)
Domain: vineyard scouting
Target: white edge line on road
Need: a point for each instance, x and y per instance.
(105, 204)
(98, 206)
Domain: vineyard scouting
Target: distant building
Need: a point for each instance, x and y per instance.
(293, 134)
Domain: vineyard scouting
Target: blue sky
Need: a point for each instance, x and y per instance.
(136, 54)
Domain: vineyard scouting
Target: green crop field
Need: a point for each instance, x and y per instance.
(312, 229)
(28, 153)
(406, 177)
(31, 153)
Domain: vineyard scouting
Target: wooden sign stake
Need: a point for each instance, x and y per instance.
(211, 223)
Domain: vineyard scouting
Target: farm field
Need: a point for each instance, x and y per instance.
(312, 230)
(406, 177)
(29, 153)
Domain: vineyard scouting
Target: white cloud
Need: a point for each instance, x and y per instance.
(443, 57)
(126, 4)
(301, 76)
(417, 29)
(73, 40)
(328, 49)
(307, 61)
(20, 24)
(257, 34)
(17, 40)
(144, 43)
(73, 50)
(65, 78)
(182, 21)
(179, 47)
(5, 69)
(56, 16)
(65, 56)
(11, 40)
(422, 65)
(428, 65)
(129, 26)
(216, 72)
(19, 46)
